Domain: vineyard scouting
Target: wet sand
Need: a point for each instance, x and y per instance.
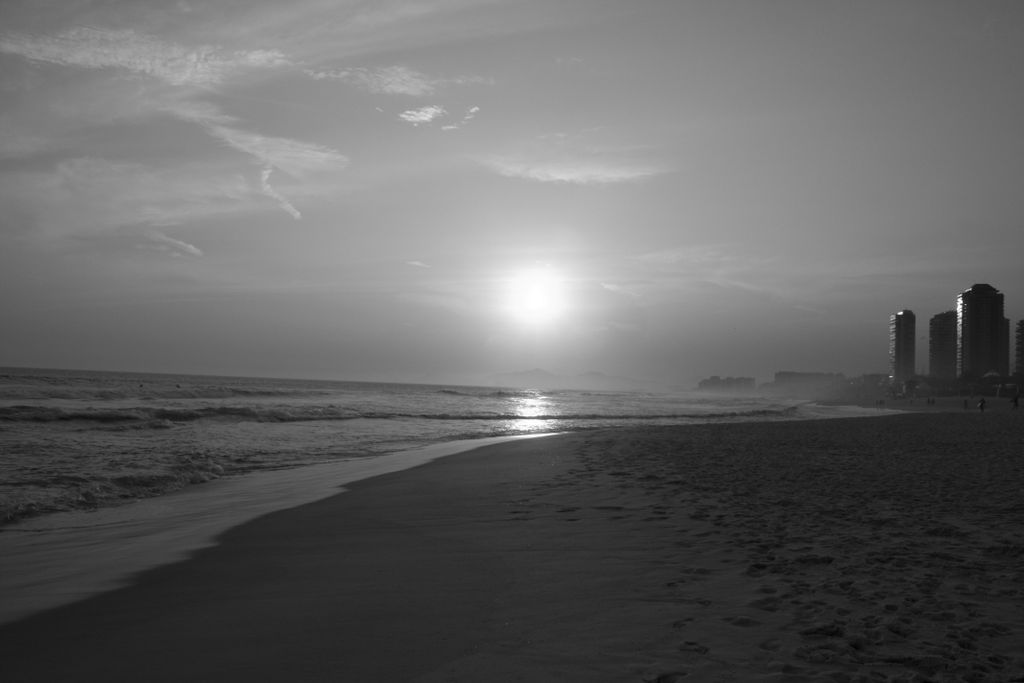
(867, 549)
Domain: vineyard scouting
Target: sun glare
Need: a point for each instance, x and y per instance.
(536, 297)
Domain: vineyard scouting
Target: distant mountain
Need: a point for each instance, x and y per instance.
(589, 381)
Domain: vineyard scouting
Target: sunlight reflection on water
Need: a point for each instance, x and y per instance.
(535, 415)
(531, 406)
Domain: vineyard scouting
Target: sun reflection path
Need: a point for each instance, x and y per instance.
(533, 415)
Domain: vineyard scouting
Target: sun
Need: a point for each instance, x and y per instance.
(536, 297)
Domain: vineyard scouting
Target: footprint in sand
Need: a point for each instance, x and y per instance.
(694, 646)
(768, 604)
(673, 677)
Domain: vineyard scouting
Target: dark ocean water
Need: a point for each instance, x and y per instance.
(81, 440)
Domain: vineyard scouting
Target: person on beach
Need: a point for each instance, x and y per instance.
(981, 404)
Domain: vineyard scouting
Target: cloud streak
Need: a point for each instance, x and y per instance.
(466, 118)
(175, 247)
(291, 156)
(94, 48)
(576, 172)
(90, 196)
(423, 115)
(184, 68)
(393, 80)
(276, 196)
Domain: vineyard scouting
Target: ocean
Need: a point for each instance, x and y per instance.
(79, 440)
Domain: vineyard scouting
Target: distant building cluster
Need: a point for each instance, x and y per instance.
(793, 384)
(969, 349)
(730, 385)
(970, 343)
(818, 384)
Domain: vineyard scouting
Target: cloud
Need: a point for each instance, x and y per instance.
(417, 264)
(273, 194)
(393, 80)
(175, 67)
(175, 247)
(94, 48)
(620, 289)
(423, 115)
(466, 118)
(291, 156)
(90, 196)
(577, 172)
(389, 80)
(294, 157)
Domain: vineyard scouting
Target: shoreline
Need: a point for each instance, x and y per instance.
(62, 557)
(820, 550)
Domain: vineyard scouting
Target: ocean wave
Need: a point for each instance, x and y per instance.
(63, 492)
(37, 393)
(153, 417)
(497, 393)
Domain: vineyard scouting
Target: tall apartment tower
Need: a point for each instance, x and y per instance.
(901, 345)
(982, 333)
(942, 345)
(1020, 348)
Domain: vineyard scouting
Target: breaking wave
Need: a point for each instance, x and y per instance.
(163, 417)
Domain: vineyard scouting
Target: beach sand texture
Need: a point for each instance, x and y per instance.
(870, 549)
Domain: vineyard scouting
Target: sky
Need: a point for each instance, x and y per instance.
(440, 190)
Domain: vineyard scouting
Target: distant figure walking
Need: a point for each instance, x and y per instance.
(981, 404)
(1015, 401)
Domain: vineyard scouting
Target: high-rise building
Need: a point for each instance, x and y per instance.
(901, 345)
(982, 333)
(1019, 349)
(942, 345)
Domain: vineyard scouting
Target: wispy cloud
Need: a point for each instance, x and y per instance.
(466, 118)
(417, 264)
(389, 80)
(584, 157)
(619, 288)
(175, 247)
(393, 80)
(577, 172)
(183, 68)
(276, 196)
(291, 156)
(96, 48)
(89, 196)
(423, 115)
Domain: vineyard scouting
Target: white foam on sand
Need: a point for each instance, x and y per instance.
(68, 556)
(819, 411)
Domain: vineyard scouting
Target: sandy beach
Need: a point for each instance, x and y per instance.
(886, 548)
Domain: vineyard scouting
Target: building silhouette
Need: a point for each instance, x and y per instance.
(942, 345)
(902, 357)
(982, 333)
(1019, 348)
